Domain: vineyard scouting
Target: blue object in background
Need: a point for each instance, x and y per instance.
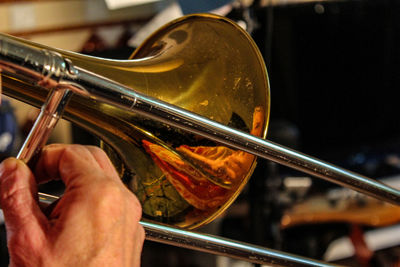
(8, 129)
(194, 6)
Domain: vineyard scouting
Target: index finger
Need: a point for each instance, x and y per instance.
(67, 162)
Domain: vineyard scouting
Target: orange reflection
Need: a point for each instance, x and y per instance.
(208, 175)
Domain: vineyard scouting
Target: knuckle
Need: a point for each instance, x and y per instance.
(114, 199)
(12, 200)
(70, 152)
(52, 146)
(96, 150)
(108, 197)
(74, 150)
(13, 192)
(135, 206)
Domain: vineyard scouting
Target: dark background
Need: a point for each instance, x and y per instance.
(334, 74)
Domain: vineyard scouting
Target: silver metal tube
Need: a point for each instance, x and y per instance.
(47, 119)
(224, 247)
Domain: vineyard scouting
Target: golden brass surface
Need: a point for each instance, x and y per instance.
(202, 63)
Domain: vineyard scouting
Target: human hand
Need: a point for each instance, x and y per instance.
(95, 223)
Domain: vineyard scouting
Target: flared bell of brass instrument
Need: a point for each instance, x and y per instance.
(202, 63)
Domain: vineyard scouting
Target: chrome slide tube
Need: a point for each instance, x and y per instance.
(224, 247)
(45, 122)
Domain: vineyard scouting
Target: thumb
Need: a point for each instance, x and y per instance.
(18, 198)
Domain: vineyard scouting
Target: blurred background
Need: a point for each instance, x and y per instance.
(334, 69)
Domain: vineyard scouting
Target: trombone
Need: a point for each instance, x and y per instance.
(84, 88)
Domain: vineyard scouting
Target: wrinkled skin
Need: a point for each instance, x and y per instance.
(95, 223)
